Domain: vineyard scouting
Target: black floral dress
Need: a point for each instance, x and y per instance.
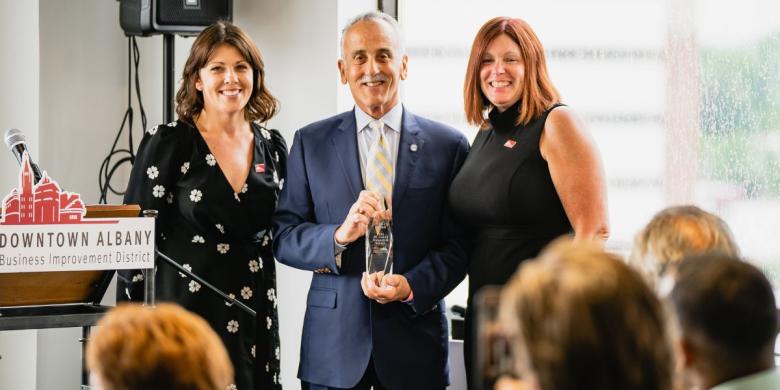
(221, 235)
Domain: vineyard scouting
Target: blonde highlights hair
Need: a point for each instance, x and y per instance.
(583, 319)
(676, 232)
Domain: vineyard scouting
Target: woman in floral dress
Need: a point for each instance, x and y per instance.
(214, 176)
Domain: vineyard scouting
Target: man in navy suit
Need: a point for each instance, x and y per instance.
(358, 334)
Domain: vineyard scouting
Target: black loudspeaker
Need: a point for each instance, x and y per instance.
(184, 17)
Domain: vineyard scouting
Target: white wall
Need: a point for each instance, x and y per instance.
(19, 75)
(69, 74)
(18, 109)
(84, 89)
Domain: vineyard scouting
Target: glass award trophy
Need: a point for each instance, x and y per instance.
(379, 249)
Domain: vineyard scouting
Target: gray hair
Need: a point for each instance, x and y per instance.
(374, 16)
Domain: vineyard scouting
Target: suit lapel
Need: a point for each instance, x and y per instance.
(410, 146)
(345, 148)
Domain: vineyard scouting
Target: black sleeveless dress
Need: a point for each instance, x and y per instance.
(505, 194)
(221, 235)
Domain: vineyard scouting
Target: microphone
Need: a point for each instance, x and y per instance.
(17, 144)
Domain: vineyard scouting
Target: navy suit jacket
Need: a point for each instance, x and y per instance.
(342, 328)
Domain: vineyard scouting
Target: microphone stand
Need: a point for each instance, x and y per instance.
(149, 277)
(200, 280)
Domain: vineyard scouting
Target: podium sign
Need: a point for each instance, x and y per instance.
(42, 229)
(93, 244)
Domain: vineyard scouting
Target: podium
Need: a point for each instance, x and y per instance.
(41, 300)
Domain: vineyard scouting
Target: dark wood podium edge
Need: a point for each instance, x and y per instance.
(68, 287)
(113, 211)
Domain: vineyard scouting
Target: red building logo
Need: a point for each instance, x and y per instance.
(42, 203)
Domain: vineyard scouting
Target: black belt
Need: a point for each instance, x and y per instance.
(519, 232)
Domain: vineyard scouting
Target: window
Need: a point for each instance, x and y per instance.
(682, 98)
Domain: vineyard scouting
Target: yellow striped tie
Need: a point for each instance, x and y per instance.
(379, 169)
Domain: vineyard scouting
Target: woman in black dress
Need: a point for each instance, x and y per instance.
(214, 176)
(532, 173)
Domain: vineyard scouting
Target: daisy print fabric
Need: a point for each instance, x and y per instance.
(221, 235)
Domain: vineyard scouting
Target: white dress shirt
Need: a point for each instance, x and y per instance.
(366, 138)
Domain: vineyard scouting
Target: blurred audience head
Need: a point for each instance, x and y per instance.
(726, 319)
(189, 100)
(534, 88)
(583, 319)
(140, 348)
(674, 233)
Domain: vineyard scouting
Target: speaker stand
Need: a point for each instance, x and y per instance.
(168, 78)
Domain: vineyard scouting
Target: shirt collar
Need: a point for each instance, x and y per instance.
(392, 119)
(768, 379)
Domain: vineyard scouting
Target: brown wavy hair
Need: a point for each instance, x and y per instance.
(189, 101)
(538, 92)
(141, 348)
(580, 318)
